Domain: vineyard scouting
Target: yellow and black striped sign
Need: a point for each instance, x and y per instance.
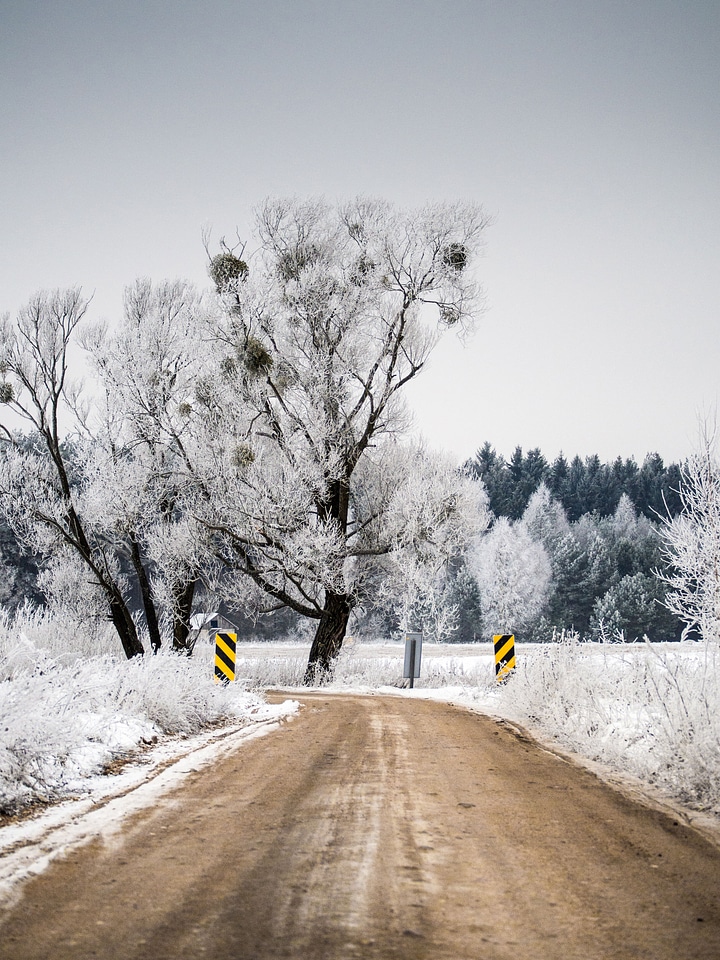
(225, 657)
(504, 655)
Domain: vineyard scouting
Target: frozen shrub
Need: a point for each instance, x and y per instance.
(66, 715)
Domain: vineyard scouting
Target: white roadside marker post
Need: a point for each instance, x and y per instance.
(413, 655)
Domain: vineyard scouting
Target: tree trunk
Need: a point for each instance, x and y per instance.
(328, 638)
(151, 618)
(182, 607)
(125, 626)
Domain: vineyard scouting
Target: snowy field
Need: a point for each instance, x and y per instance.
(70, 708)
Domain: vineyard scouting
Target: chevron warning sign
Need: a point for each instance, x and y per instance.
(504, 655)
(225, 657)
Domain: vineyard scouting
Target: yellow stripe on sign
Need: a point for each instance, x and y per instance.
(506, 667)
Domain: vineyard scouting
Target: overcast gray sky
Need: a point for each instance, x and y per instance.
(590, 128)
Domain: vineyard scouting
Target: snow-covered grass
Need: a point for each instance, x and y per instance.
(649, 710)
(364, 665)
(65, 714)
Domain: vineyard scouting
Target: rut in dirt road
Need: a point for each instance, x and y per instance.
(381, 827)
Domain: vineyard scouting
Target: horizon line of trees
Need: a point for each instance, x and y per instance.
(581, 485)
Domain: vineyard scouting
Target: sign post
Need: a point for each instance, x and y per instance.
(504, 655)
(225, 657)
(413, 655)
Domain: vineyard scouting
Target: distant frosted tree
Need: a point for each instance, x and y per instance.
(430, 518)
(632, 609)
(625, 518)
(545, 519)
(692, 547)
(514, 576)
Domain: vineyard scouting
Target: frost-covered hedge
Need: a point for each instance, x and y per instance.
(64, 715)
(651, 711)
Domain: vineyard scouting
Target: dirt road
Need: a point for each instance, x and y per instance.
(382, 828)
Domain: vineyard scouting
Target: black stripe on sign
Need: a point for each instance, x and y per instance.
(220, 675)
(228, 639)
(224, 658)
(501, 641)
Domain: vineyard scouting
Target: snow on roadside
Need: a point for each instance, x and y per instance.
(27, 847)
(65, 717)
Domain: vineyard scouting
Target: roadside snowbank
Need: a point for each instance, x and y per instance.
(28, 846)
(649, 710)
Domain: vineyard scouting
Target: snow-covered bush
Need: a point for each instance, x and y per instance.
(38, 631)
(64, 716)
(654, 713)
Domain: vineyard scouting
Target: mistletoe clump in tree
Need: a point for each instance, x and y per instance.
(310, 493)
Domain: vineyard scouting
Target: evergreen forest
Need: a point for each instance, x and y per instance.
(593, 530)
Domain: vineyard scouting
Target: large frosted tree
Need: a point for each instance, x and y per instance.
(320, 328)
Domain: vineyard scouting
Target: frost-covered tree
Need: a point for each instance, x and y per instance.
(632, 609)
(41, 487)
(514, 576)
(692, 547)
(322, 326)
(146, 450)
(545, 519)
(430, 518)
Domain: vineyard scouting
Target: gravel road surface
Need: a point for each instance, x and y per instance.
(382, 827)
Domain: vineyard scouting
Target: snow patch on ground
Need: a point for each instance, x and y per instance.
(27, 847)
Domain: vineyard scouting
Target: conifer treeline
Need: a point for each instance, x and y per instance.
(581, 486)
(603, 546)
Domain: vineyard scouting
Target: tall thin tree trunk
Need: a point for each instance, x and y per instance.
(328, 638)
(151, 617)
(124, 625)
(120, 615)
(182, 608)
